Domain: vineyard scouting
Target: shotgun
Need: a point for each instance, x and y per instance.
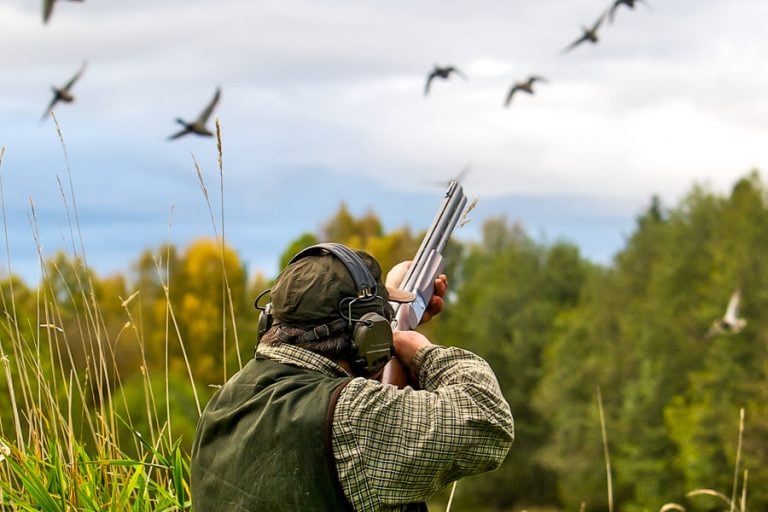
(426, 266)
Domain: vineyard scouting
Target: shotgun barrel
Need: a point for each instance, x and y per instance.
(428, 262)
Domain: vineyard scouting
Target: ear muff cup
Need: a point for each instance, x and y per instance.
(265, 321)
(371, 342)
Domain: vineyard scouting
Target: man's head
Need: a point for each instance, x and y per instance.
(324, 294)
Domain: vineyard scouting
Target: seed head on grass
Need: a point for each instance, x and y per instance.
(5, 451)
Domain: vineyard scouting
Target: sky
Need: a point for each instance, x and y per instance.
(323, 103)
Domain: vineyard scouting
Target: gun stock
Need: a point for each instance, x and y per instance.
(426, 266)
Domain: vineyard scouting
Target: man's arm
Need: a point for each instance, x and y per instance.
(395, 446)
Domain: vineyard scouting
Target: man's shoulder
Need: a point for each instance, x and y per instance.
(302, 358)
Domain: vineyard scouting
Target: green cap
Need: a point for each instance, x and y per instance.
(309, 291)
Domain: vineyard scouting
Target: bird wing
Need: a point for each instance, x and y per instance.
(178, 134)
(47, 10)
(205, 114)
(511, 92)
(610, 13)
(463, 173)
(732, 311)
(75, 78)
(597, 24)
(459, 72)
(575, 43)
(714, 329)
(537, 78)
(429, 81)
(612, 9)
(50, 107)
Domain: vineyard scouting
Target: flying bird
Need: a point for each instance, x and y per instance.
(444, 73)
(526, 86)
(730, 321)
(458, 178)
(588, 34)
(48, 9)
(618, 3)
(63, 93)
(198, 125)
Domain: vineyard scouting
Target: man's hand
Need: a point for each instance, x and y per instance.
(436, 303)
(395, 277)
(407, 343)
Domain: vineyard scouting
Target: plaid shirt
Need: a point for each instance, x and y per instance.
(395, 446)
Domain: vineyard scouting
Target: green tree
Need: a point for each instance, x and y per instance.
(703, 419)
(671, 394)
(512, 292)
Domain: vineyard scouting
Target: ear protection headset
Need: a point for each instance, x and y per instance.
(371, 333)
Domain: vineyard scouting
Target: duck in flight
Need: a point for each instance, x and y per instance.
(618, 3)
(524, 86)
(198, 125)
(730, 321)
(442, 72)
(589, 34)
(63, 93)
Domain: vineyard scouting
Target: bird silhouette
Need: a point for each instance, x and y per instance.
(458, 178)
(588, 34)
(730, 321)
(63, 93)
(48, 9)
(618, 3)
(442, 72)
(526, 86)
(198, 125)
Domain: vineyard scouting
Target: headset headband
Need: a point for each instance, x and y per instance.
(361, 274)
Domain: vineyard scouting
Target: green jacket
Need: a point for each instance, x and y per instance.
(264, 443)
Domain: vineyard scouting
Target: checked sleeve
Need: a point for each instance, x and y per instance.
(397, 446)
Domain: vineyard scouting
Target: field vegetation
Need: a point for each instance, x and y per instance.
(102, 378)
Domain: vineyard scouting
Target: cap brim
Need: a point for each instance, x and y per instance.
(398, 295)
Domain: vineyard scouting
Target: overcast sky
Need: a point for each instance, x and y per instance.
(323, 103)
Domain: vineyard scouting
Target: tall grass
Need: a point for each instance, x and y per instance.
(738, 501)
(606, 453)
(732, 504)
(64, 451)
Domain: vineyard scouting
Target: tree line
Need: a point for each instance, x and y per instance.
(153, 345)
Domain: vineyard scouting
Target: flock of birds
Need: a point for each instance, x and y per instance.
(64, 94)
(588, 35)
(198, 125)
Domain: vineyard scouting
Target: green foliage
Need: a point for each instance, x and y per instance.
(512, 292)
(672, 394)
